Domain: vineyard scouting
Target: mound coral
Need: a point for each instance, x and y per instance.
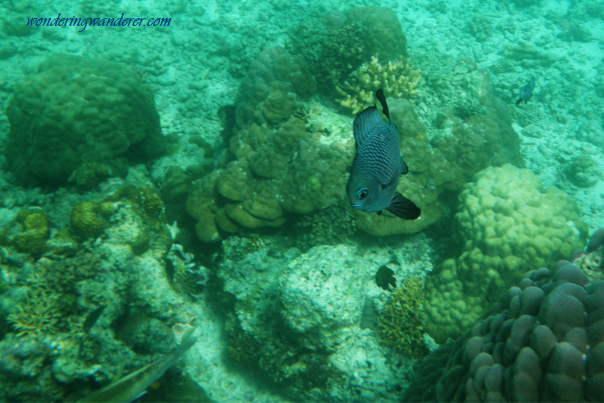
(507, 223)
(544, 342)
(141, 222)
(75, 110)
(281, 166)
(397, 78)
(341, 42)
(28, 232)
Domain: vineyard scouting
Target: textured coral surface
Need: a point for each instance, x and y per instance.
(506, 223)
(544, 342)
(75, 110)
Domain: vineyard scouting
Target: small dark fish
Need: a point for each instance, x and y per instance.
(92, 318)
(384, 278)
(378, 165)
(526, 92)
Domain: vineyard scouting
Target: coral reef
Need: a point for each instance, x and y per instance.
(86, 111)
(86, 219)
(397, 78)
(583, 171)
(74, 322)
(543, 342)
(134, 215)
(343, 41)
(383, 31)
(530, 56)
(269, 93)
(28, 232)
(89, 174)
(302, 319)
(401, 324)
(506, 223)
(591, 261)
(281, 166)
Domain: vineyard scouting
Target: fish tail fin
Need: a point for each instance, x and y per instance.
(404, 208)
(380, 96)
(188, 340)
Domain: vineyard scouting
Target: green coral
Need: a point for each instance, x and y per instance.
(280, 165)
(332, 52)
(139, 210)
(85, 111)
(383, 32)
(508, 224)
(528, 55)
(582, 171)
(401, 324)
(86, 220)
(28, 232)
(343, 41)
(397, 78)
(89, 174)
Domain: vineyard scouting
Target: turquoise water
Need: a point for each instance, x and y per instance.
(168, 165)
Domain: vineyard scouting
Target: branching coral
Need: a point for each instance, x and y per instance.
(397, 78)
(401, 324)
(37, 315)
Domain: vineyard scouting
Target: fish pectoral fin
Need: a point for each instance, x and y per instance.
(404, 167)
(404, 208)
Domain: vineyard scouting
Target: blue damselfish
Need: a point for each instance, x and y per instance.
(378, 165)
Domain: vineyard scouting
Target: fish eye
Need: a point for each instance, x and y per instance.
(384, 187)
(362, 193)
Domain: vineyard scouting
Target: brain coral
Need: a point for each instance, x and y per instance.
(544, 342)
(507, 223)
(75, 110)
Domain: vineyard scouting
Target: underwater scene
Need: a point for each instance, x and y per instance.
(301, 201)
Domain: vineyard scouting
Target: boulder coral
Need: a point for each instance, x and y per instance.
(75, 110)
(507, 222)
(280, 165)
(543, 342)
(131, 216)
(28, 232)
(342, 41)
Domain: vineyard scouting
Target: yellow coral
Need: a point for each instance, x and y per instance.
(398, 79)
(86, 221)
(401, 325)
(33, 229)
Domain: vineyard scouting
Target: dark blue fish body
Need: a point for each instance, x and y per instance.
(526, 92)
(377, 165)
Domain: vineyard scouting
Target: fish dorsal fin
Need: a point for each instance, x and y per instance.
(365, 124)
(380, 96)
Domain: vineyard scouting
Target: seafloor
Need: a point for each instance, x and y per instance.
(234, 217)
